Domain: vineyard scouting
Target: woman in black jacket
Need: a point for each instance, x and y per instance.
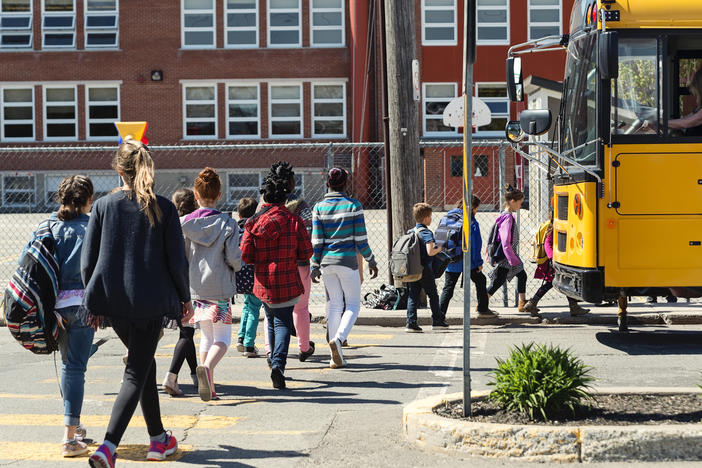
(136, 274)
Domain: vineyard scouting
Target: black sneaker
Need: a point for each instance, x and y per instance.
(268, 361)
(277, 378)
(250, 351)
(305, 354)
(440, 325)
(240, 344)
(413, 328)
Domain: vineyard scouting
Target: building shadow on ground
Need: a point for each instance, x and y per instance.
(658, 342)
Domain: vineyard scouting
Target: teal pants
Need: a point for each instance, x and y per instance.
(249, 319)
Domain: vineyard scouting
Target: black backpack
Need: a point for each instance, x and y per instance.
(387, 298)
(244, 277)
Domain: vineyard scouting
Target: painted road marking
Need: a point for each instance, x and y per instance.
(313, 337)
(101, 420)
(51, 451)
(442, 365)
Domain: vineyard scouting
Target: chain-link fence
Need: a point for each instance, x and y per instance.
(31, 175)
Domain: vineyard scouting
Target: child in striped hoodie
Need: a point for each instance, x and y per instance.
(338, 232)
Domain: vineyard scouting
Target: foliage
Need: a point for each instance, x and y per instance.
(541, 381)
(637, 82)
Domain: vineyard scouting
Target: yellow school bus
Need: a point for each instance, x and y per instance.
(627, 168)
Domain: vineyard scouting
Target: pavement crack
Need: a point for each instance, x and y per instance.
(324, 436)
(198, 416)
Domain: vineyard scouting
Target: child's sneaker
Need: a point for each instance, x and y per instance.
(204, 386)
(240, 344)
(74, 448)
(80, 433)
(250, 351)
(102, 458)
(158, 451)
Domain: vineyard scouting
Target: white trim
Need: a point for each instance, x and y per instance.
(276, 81)
(426, 100)
(94, 178)
(271, 119)
(314, 118)
(28, 31)
(3, 105)
(200, 119)
(58, 30)
(59, 83)
(228, 28)
(342, 27)
(73, 121)
(487, 100)
(297, 28)
(87, 30)
(506, 24)
(454, 25)
(184, 29)
(88, 120)
(531, 23)
(5, 190)
(257, 101)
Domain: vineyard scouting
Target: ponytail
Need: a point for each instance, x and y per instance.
(73, 194)
(137, 167)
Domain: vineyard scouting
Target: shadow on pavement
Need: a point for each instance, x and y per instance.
(638, 343)
(228, 456)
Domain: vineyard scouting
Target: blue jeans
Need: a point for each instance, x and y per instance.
(428, 283)
(249, 319)
(74, 343)
(280, 323)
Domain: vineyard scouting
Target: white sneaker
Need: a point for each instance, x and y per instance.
(336, 354)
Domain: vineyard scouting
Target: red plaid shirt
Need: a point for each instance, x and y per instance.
(274, 242)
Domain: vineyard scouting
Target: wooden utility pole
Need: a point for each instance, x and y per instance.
(405, 164)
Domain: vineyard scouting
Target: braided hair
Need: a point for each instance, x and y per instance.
(275, 189)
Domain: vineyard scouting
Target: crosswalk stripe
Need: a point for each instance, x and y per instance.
(51, 451)
(101, 420)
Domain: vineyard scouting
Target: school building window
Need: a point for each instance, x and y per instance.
(101, 24)
(284, 23)
(102, 185)
(243, 111)
(285, 111)
(200, 111)
(439, 22)
(544, 18)
(436, 97)
(59, 24)
(60, 113)
(17, 118)
(456, 166)
(102, 111)
(241, 23)
(198, 20)
(493, 22)
(481, 165)
(18, 191)
(327, 25)
(328, 115)
(242, 185)
(495, 97)
(15, 24)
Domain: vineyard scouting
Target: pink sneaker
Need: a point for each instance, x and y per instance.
(158, 451)
(102, 458)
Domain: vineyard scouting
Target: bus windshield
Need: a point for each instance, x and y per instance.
(578, 111)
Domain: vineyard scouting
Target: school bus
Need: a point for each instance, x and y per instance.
(627, 174)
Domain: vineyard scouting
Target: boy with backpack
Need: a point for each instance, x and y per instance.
(244, 285)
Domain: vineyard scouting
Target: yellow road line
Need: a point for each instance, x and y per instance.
(47, 451)
(55, 397)
(101, 420)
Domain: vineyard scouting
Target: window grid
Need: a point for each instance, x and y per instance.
(101, 24)
(58, 27)
(433, 107)
(56, 128)
(237, 104)
(494, 95)
(492, 22)
(99, 118)
(16, 188)
(102, 184)
(193, 125)
(243, 184)
(441, 8)
(272, 119)
(325, 122)
(274, 10)
(319, 29)
(538, 27)
(190, 33)
(233, 15)
(16, 25)
(9, 106)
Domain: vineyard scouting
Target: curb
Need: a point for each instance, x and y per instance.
(551, 444)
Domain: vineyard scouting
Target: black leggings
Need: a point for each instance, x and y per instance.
(184, 349)
(139, 380)
(546, 287)
(500, 278)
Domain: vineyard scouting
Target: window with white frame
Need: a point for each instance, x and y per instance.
(200, 111)
(17, 116)
(327, 25)
(493, 21)
(544, 18)
(198, 24)
(15, 24)
(101, 24)
(102, 111)
(243, 104)
(285, 110)
(60, 113)
(243, 185)
(102, 185)
(18, 191)
(494, 95)
(436, 97)
(329, 110)
(439, 22)
(58, 24)
(284, 25)
(241, 23)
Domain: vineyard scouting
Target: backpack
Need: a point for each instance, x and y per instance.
(406, 257)
(449, 235)
(30, 295)
(244, 278)
(386, 298)
(538, 255)
(494, 252)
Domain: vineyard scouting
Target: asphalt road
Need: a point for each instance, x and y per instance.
(350, 417)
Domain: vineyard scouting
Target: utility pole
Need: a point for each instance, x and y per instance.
(405, 164)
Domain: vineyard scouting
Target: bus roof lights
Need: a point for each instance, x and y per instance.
(587, 16)
(593, 20)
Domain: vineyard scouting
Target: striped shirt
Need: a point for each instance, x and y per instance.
(339, 231)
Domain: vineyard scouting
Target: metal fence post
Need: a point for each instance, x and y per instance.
(330, 156)
(502, 182)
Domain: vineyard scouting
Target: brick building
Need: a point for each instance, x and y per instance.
(238, 71)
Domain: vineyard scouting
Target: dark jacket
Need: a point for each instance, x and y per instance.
(130, 269)
(476, 245)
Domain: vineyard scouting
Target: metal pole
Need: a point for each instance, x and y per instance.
(386, 135)
(503, 200)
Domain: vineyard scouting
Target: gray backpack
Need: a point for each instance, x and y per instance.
(406, 257)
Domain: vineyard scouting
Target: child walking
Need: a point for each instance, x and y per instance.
(244, 285)
(212, 246)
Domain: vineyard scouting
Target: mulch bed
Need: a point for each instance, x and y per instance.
(605, 409)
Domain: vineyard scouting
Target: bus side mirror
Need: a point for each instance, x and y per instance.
(514, 132)
(535, 122)
(608, 51)
(515, 84)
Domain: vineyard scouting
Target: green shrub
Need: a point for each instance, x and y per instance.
(541, 381)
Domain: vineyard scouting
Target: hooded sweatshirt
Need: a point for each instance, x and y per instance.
(212, 247)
